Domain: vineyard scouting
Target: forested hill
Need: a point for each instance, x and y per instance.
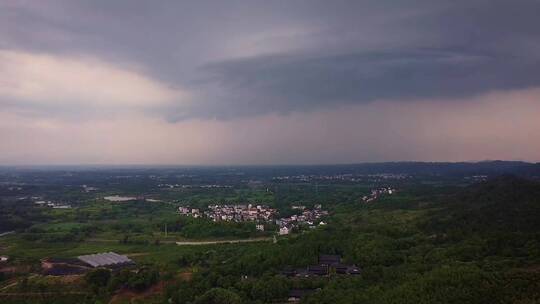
(502, 191)
(504, 204)
(479, 245)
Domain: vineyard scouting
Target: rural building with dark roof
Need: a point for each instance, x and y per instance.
(108, 259)
(296, 295)
(329, 260)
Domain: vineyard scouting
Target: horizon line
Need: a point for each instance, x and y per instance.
(82, 165)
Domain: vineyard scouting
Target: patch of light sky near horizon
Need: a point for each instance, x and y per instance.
(54, 83)
(496, 125)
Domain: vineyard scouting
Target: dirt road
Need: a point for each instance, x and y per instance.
(188, 243)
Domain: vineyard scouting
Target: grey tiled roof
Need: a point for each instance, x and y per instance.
(105, 259)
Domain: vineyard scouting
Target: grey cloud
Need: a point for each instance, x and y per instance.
(468, 48)
(350, 51)
(295, 83)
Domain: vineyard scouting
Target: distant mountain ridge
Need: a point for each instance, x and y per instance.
(428, 169)
(491, 168)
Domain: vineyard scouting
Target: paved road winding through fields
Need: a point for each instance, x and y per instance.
(186, 243)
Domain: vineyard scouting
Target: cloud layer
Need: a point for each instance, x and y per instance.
(492, 126)
(268, 81)
(253, 58)
(44, 82)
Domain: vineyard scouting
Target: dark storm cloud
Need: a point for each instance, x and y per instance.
(242, 58)
(285, 83)
(468, 49)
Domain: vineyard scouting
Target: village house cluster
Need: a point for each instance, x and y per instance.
(327, 264)
(476, 178)
(313, 177)
(53, 204)
(173, 186)
(307, 217)
(343, 177)
(260, 214)
(376, 193)
(87, 188)
(237, 213)
(187, 211)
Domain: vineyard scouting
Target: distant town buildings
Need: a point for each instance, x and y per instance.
(87, 188)
(178, 186)
(118, 198)
(343, 177)
(52, 204)
(477, 178)
(376, 193)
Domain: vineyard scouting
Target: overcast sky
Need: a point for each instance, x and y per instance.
(268, 82)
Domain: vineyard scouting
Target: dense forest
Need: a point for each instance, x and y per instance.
(434, 242)
(481, 245)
